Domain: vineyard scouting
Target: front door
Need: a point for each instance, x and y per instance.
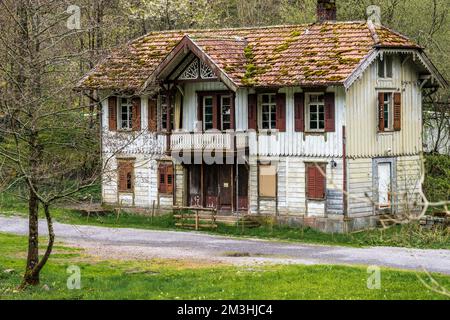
(384, 185)
(225, 187)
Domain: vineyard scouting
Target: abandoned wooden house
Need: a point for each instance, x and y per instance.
(318, 124)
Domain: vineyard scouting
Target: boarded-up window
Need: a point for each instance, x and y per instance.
(267, 181)
(165, 177)
(315, 181)
(126, 175)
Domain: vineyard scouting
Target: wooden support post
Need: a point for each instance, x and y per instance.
(196, 219)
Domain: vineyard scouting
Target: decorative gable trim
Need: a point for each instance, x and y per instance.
(185, 46)
(197, 70)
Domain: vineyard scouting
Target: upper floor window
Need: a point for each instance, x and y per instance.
(208, 113)
(225, 103)
(268, 107)
(164, 112)
(389, 111)
(385, 67)
(215, 111)
(315, 112)
(126, 114)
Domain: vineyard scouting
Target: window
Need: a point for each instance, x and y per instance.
(126, 175)
(315, 112)
(215, 110)
(267, 181)
(165, 178)
(126, 114)
(386, 111)
(164, 107)
(225, 103)
(385, 67)
(208, 113)
(268, 107)
(315, 181)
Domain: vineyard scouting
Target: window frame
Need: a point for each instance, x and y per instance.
(271, 104)
(163, 184)
(308, 104)
(130, 175)
(163, 112)
(129, 105)
(222, 114)
(204, 113)
(384, 63)
(390, 128)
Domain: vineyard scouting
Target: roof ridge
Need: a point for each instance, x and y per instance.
(280, 26)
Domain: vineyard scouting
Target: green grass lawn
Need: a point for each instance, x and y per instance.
(164, 279)
(411, 235)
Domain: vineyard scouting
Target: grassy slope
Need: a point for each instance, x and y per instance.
(403, 236)
(158, 279)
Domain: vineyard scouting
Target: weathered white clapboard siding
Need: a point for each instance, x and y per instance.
(145, 187)
(409, 175)
(363, 139)
(360, 193)
(291, 188)
(362, 186)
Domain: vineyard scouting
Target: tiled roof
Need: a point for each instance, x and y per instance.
(307, 55)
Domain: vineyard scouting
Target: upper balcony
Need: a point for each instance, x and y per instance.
(210, 140)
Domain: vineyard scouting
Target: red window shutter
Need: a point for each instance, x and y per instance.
(281, 112)
(320, 182)
(252, 107)
(397, 111)
(136, 117)
(169, 178)
(162, 178)
(299, 111)
(311, 180)
(330, 122)
(112, 113)
(152, 114)
(316, 181)
(381, 111)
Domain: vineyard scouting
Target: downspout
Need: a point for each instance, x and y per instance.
(344, 164)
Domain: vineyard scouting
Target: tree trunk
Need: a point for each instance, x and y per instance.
(30, 277)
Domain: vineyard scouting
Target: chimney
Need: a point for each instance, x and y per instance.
(326, 10)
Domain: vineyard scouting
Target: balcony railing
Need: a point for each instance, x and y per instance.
(208, 140)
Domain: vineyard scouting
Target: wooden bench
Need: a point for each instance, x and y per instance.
(195, 217)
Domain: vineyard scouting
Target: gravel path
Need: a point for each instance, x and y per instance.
(125, 243)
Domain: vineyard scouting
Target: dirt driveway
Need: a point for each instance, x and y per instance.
(125, 243)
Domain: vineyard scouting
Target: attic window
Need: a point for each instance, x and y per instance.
(385, 67)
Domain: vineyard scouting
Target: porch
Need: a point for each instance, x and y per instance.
(223, 187)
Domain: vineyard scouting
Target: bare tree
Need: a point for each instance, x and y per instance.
(44, 142)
